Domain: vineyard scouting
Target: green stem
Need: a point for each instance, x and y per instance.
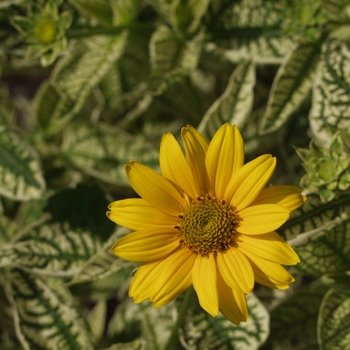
(173, 341)
(74, 33)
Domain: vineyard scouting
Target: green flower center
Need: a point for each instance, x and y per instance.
(207, 225)
(45, 31)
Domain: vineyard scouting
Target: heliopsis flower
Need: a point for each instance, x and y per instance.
(206, 221)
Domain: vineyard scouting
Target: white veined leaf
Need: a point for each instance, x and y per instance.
(50, 249)
(183, 16)
(20, 169)
(135, 345)
(249, 30)
(172, 57)
(101, 10)
(330, 110)
(235, 104)
(199, 331)
(101, 151)
(327, 253)
(60, 326)
(73, 79)
(104, 263)
(314, 218)
(334, 320)
(292, 85)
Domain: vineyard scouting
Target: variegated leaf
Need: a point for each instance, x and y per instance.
(50, 249)
(313, 219)
(135, 345)
(235, 104)
(328, 253)
(104, 263)
(292, 84)
(172, 57)
(73, 79)
(99, 9)
(184, 17)
(330, 110)
(20, 168)
(48, 318)
(101, 151)
(334, 320)
(200, 330)
(250, 30)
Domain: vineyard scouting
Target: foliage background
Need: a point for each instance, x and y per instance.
(87, 85)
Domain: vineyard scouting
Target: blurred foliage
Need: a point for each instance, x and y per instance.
(87, 85)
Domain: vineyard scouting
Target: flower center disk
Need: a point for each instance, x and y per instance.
(207, 225)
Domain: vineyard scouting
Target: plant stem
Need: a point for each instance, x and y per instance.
(173, 341)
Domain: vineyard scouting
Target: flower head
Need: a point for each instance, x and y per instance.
(206, 221)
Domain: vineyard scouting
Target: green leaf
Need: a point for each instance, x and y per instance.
(172, 57)
(248, 30)
(98, 9)
(124, 12)
(90, 205)
(6, 3)
(97, 320)
(20, 170)
(334, 320)
(50, 249)
(8, 229)
(292, 84)
(294, 321)
(73, 79)
(135, 345)
(48, 318)
(330, 110)
(313, 219)
(7, 109)
(101, 151)
(235, 104)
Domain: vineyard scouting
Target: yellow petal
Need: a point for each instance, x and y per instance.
(196, 148)
(224, 157)
(146, 245)
(142, 283)
(174, 278)
(269, 246)
(205, 283)
(137, 214)
(242, 173)
(155, 189)
(253, 183)
(236, 270)
(262, 218)
(232, 304)
(289, 197)
(174, 166)
(268, 273)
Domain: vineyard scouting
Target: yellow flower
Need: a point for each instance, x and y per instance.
(207, 221)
